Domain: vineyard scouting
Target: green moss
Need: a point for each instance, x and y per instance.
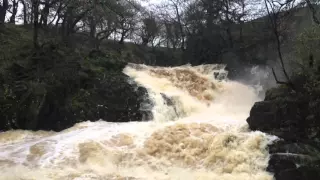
(16, 41)
(306, 44)
(277, 92)
(79, 99)
(54, 83)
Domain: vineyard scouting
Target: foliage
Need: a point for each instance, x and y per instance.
(55, 86)
(14, 39)
(307, 46)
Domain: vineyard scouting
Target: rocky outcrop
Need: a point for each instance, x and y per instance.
(293, 116)
(54, 88)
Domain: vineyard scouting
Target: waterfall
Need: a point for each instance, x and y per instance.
(198, 132)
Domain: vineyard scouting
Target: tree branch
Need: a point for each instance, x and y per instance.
(276, 78)
(276, 33)
(314, 12)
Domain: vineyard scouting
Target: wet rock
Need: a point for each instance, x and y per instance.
(113, 100)
(276, 164)
(167, 100)
(293, 116)
(301, 173)
(170, 102)
(284, 118)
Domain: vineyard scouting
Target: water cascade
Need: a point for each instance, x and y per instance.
(198, 132)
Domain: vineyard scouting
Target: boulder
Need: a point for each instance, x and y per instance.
(283, 117)
(300, 173)
(293, 116)
(113, 99)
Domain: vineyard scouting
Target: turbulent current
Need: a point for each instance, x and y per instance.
(198, 132)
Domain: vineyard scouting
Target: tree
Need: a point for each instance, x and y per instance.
(25, 11)
(176, 4)
(172, 16)
(48, 4)
(15, 5)
(173, 35)
(149, 30)
(102, 22)
(35, 8)
(277, 12)
(314, 12)
(3, 11)
(127, 18)
(210, 26)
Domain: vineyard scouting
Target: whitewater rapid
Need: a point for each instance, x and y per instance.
(200, 134)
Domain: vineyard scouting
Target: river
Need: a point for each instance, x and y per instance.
(198, 132)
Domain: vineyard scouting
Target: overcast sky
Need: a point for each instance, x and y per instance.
(150, 2)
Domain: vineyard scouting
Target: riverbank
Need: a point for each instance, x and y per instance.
(293, 116)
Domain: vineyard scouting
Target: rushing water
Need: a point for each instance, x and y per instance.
(198, 132)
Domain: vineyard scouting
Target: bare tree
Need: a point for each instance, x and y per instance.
(24, 9)
(127, 20)
(102, 25)
(35, 7)
(176, 4)
(172, 16)
(314, 12)
(277, 10)
(149, 30)
(3, 11)
(48, 4)
(15, 4)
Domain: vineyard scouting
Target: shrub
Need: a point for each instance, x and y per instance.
(308, 51)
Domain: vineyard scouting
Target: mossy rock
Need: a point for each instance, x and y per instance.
(112, 65)
(277, 92)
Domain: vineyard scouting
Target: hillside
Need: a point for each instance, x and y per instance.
(55, 86)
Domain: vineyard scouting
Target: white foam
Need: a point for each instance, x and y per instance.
(208, 130)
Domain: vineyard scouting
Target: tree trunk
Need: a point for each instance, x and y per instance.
(44, 14)
(25, 18)
(73, 20)
(97, 43)
(92, 27)
(230, 38)
(210, 15)
(35, 4)
(14, 11)
(31, 14)
(93, 36)
(123, 34)
(3, 11)
(121, 39)
(145, 41)
(68, 21)
(180, 26)
(241, 32)
(63, 29)
(58, 19)
(274, 23)
(59, 15)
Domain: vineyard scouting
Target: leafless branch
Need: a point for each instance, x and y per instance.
(314, 12)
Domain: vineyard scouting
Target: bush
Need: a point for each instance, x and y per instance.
(43, 81)
(308, 51)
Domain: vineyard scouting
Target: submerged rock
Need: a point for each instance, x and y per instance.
(293, 116)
